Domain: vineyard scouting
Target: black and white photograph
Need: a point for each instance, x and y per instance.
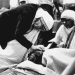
(37, 37)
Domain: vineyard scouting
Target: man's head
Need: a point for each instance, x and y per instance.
(68, 18)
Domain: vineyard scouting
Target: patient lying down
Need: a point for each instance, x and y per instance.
(35, 67)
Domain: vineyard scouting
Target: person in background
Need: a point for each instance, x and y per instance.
(58, 4)
(47, 7)
(57, 59)
(66, 27)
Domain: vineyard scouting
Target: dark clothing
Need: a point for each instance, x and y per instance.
(44, 37)
(14, 23)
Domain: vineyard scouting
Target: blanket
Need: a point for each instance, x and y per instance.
(58, 59)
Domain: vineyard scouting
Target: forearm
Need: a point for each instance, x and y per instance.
(24, 42)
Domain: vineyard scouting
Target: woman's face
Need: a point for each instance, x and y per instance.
(38, 23)
(68, 23)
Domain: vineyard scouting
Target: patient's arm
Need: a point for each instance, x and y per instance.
(38, 68)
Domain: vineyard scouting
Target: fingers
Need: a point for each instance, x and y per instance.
(41, 47)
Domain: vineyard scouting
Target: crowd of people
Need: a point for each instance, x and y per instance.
(34, 38)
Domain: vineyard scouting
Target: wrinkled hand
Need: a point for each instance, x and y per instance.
(40, 47)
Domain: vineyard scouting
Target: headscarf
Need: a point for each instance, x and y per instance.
(47, 18)
(70, 14)
(32, 36)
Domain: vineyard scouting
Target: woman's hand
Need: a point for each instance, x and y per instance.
(40, 47)
(61, 45)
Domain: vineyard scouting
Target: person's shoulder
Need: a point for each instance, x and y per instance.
(61, 27)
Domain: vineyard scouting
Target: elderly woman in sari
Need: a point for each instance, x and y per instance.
(12, 38)
(69, 4)
(58, 58)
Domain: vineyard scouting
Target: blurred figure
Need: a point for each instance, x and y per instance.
(69, 4)
(58, 4)
(66, 27)
(15, 23)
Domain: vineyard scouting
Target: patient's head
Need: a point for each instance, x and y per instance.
(35, 56)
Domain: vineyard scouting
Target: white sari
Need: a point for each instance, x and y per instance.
(57, 59)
